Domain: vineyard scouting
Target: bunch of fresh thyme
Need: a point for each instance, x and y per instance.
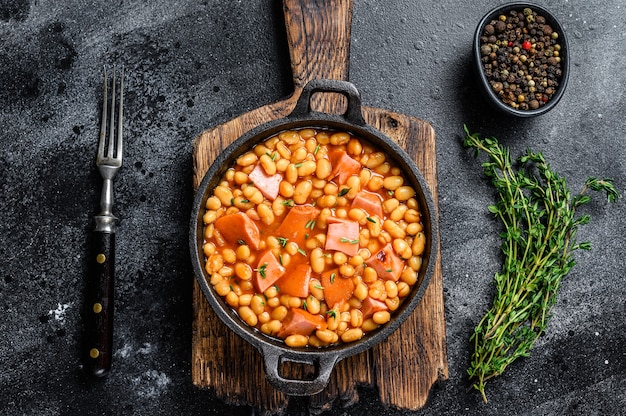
(540, 225)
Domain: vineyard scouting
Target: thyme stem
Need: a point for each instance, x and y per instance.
(540, 224)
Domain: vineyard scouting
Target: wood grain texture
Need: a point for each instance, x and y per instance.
(410, 361)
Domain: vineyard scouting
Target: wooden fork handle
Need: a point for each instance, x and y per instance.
(99, 306)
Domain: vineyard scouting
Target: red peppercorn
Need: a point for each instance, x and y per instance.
(526, 45)
(510, 44)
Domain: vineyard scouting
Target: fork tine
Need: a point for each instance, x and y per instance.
(120, 117)
(112, 125)
(103, 126)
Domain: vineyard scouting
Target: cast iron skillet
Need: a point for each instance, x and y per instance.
(274, 351)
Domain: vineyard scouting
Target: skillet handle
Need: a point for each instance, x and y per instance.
(352, 114)
(324, 364)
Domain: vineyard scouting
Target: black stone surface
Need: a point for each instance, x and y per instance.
(191, 65)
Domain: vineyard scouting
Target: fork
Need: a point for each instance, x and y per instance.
(100, 285)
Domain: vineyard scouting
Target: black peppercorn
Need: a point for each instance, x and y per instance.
(521, 58)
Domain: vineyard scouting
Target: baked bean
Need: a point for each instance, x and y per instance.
(262, 149)
(354, 147)
(393, 229)
(398, 213)
(414, 228)
(404, 193)
(299, 155)
(224, 195)
(285, 189)
(354, 183)
(213, 203)
(346, 270)
(229, 256)
(381, 317)
(369, 325)
(374, 228)
(409, 276)
(339, 258)
(279, 206)
(306, 133)
(248, 315)
(222, 288)
(375, 183)
(323, 169)
(356, 318)
(243, 252)
(306, 168)
(352, 335)
(265, 214)
(291, 174)
(317, 260)
(361, 291)
(289, 137)
(323, 137)
(365, 175)
(392, 303)
(281, 165)
(370, 275)
(245, 286)
(375, 159)
(257, 304)
(339, 138)
(402, 248)
(391, 288)
(268, 164)
(327, 201)
(326, 336)
(279, 313)
(302, 192)
(296, 340)
(354, 303)
(313, 305)
(393, 182)
(272, 327)
(253, 194)
(247, 159)
(242, 203)
(383, 169)
(264, 317)
(283, 150)
(232, 299)
(332, 320)
(415, 263)
(243, 271)
(208, 249)
(403, 289)
(357, 214)
(419, 243)
(215, 279)
(390, 205)
(341, 212)
(316, 193)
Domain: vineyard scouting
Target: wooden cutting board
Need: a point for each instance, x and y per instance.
(405, 366)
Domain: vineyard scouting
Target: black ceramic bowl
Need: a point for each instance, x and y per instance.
(273, 350)
(486, 86)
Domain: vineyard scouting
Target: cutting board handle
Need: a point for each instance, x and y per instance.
(318, 34)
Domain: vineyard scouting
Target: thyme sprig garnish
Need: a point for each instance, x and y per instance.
(540, 225)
